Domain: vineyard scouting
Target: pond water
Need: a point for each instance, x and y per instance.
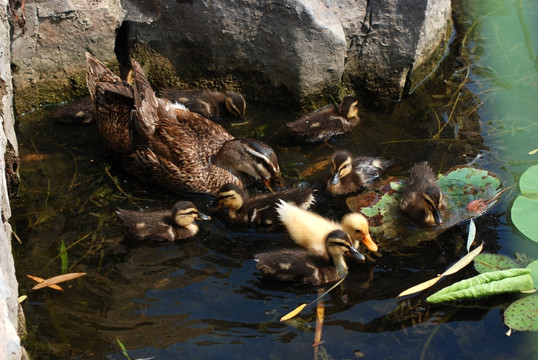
(204, 298)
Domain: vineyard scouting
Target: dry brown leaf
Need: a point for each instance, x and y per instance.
(40, 280)
(58, 279)
(35, 157)
(315, 168)
(420, 287)
(464, 261)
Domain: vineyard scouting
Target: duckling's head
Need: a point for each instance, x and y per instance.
(339, 243)
(356, 226)
(341, 162)
(251, 157)
(236, 104)
(349, 107)
(184, 213)
(432, 198)
(231, 196)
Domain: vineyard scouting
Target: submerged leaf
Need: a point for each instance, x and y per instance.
(58, 279)
(493, 262)
(490, 283)
(40, 280)
(64, 257)
(522, 315)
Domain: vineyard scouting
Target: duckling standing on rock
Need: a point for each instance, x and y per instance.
(301, 265)
(327, 122)
(422, 199)
(211, 104)
(260, 209)
(309, 229)
(174, 224)
(169, 145)
(349, 175)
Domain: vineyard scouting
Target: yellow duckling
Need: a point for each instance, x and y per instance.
(260, 209)
(301, 265)
(211, 104)
(310, 230)
(422, 199)
(349, 175)
(327, 122)
(168, 145)
(174, 224)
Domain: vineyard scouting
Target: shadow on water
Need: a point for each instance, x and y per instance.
(202, 297)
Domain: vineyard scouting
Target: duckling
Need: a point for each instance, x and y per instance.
(349, 175)
(174, 224)
(301, 265)
(168, 145)
(309, 229)
(77, 112)
(329, 121)
(422, 199)
(260, 209)
(211, 104)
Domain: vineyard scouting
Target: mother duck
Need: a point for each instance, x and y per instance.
(166, 144)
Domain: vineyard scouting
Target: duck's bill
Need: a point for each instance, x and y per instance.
(370, 244)
(203, 216)
(357, 255)
(335, 179)
(437, 217)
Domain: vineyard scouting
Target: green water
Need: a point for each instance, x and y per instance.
(203, 297)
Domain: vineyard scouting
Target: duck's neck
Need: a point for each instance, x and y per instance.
(340, 265)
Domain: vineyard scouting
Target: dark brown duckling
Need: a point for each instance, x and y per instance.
(174, 224)
(422, 199)
(303, 266)
(211, 104)
(80, 111)
(327, 122)
(349, 175)
(260, 209)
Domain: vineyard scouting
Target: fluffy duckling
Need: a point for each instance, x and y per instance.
(327, 122)
(260, 209)
(422, 199)
(349, 174)
(301, 265)
(174, 224)
(166, 144)
(211, 104)
(309, 229)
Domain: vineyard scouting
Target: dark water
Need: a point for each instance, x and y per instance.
(204, 298)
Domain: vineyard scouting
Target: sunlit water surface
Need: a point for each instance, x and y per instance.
(204, 298)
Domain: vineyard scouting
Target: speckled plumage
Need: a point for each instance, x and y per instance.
(260, 209)
(163, 225)
(169, 145)
(211, 104)
(327, 122)
(422, 199)
(303, 266)
(349, 175)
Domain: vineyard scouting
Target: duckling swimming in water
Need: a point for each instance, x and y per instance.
(162, 225)
(211, 104)
(422, 199)
(260, 209)
(309, 229)
(327, 122)
(303, 266)
(349, 174)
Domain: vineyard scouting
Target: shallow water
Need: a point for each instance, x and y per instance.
(204, 298)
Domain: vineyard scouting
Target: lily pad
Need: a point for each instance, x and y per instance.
(492, 262)
(522, 315)
(528, 182)
(461, 186)
(523, 215)
(486, 284)
(534, 272)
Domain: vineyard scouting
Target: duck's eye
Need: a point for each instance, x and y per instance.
(358, 231)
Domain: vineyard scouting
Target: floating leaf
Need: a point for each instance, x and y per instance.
(292, 314)
(22, 298)
(493, 262)
(490, 283)
(523, 215)
(528, 182)
(58, 279)
(471, 235)
(533, 266)
(420, 287)
(522, 315)
(461, 185)
(532, 152)
(40, 280)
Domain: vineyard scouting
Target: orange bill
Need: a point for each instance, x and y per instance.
(370, 244)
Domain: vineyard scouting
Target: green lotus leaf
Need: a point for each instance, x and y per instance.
(493, 262)
(523, 215)
(522, 315)
(528, 182)
(391, 229)
(534, 272)
(486, 284)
